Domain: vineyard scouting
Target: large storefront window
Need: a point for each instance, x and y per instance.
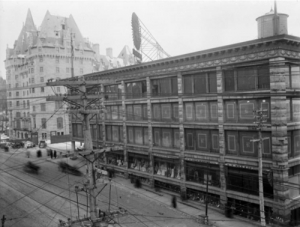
(246, 181)
(164, 87)
(167, 167)
(200, 83)
(137, 112)
(199, 196)
(239, 143)
(247, 78)
(165, 112)
(201, 111)
(166, 137)
(139, 162)
(166, 186)
(202, 172)
(136, 89)
(202, 140)
(115, 158)
(243, 110)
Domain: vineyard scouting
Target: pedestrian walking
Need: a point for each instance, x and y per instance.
(51, 154)
(54, 154)
(174, 201)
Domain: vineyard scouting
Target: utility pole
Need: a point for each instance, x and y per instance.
(261, 119)
(3, 220)
(206, 196)
(85, 93)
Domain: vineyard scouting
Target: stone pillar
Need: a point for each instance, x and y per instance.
(124, 127)
(150, 134)
(102, 118)
(222, 152)
(278, 72)
(181, 135)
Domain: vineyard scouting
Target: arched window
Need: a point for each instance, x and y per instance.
(60, 124)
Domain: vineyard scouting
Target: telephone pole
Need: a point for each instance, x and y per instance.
(82, 101)
(261, 119)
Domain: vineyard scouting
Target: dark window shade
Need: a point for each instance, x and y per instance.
(108, 133)
(146, 136)
(263, 78)
(200, 84)
(174, 85)
(212, 82)
(246, 79)
(229, 80)
(188, 84)
(129, 112)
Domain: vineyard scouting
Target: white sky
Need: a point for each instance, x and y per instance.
(179, 26)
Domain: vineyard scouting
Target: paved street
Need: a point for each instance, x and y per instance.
(41, 200)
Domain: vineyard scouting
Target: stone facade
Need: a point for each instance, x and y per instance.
(276, 55)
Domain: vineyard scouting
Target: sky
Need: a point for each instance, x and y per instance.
(180, 27)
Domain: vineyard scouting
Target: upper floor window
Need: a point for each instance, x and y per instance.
(41, 59)
(18, 103)
(16, 77)
(243, 110)
(200, 83)
(113, 92)
(17, 85)
(57, 60)
(28, 104)
(247, 78)
(43, 106)
(42, 89)
(32, 70)
(67, 60)
(293, 77)
(44, 123)
(81, 61)
(10, 103)
(42, 79)
(32, 91)
(136, 89)
(166, 137)
(41, 69)
(33, 108)
(164, 87)
(57, 69)
(68, 70)
(136, 112)
(81, 71)
(202, 140)
(165, 112)
(201, 111)
(9, 94)
(60, 122)
(293, 110)
(17, 93)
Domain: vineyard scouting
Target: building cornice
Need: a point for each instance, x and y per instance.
(231, 54)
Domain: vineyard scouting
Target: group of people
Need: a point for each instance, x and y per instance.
(52, 154)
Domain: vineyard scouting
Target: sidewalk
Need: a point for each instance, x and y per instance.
(216, 218)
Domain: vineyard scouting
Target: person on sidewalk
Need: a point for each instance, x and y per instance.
(51, 154)
(174, 201)
(55, 154)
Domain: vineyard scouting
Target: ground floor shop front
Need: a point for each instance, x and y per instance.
(201, 182)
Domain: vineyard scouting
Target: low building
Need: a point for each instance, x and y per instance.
(185, 121)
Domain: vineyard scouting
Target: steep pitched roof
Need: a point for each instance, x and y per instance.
(28, 28)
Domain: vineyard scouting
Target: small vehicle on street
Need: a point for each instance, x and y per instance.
(80, 147)
(17, 145)
(66, 168)
(30, 167)
(42, 144)
(28, 144)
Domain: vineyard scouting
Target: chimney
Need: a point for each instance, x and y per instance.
(109, 52)
(96, 48)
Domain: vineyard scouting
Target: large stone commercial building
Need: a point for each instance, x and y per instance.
(180, 122)
(42, 54)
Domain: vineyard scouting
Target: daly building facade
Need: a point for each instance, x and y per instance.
(185, 121)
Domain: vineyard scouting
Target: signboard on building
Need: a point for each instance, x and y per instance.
(60, 138)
